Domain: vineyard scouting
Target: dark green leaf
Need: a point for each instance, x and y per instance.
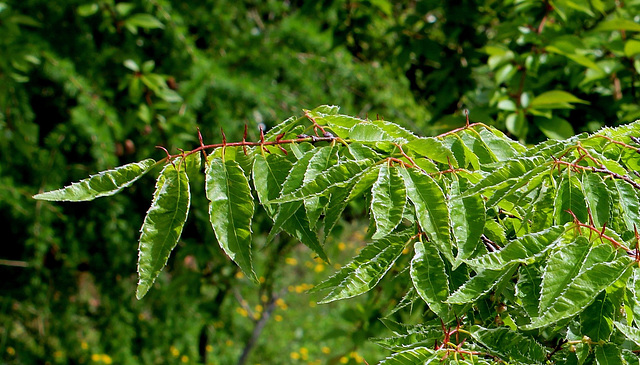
(481, 284)
(430, 278)
(509, 345)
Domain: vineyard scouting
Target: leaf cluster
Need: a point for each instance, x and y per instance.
(521, 254)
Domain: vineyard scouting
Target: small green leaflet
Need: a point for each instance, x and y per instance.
(467, 222)
(231, 211)
(417, 356)
(163, 225)
(367, 269)
(105, 183)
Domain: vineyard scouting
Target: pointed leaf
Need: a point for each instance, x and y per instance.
(512, 169)
(510, 346)
(433, 149)
(468, 220)
(430, 208)
(417, 356)
(430, 278)
(163, 225)
(582, 291)
(570, 198)
(105, 183)
(388, 200)
(528, 288)
(597, 319)
(231, 211)
(269, 174)
(366, 270)
(481, 284)
(632, 333)
(521, 250)
(609, 354)
(628, 201)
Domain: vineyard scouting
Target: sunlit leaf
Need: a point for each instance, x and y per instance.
(468, 221)
(480, 284)
(366, 270)
(430, 208)
(163, 225)
(231, 210)
(430, 278)
(388, 200)
(105, 183)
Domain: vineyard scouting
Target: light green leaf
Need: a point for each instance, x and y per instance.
(509, 345)
(581, 291)
(570, 198)
(105, 183)
(163, 225)
(481, 284)
(521, 250)
(367, 269)
(430, 278)
(511, 169)
(387, 201)
(467, 222)
(433, 149)
(231, 211)
(416, 356)
(631, 333)
(430, 208)
(145, 21)
(554, 99)
(628, 202)
(598, 198)
(618, 24)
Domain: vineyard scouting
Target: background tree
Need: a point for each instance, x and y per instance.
(89, 86)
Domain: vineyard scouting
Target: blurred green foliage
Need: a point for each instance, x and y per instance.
(86, 86)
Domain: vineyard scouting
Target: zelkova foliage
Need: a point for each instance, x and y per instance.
(523, 254)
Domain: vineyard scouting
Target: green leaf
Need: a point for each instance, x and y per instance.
(598, 198)
(366, 270)
(388, 200)
(554, 99)
(631, 333)
(521, 250)
(555, 128)
(468, 221)
(512, 169)
(163, 225)
(509, 345)
(481, 284)
(596, 320)
(581, 291)
(432, 149)
(618, 24)
(145, 21)
(628, 202)
(609, 354)
(416, 356)
(430, 208)
(430, 278)
(528, 288)
(570, 198)
(105, 183)
(231, 211)
(269, 174)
